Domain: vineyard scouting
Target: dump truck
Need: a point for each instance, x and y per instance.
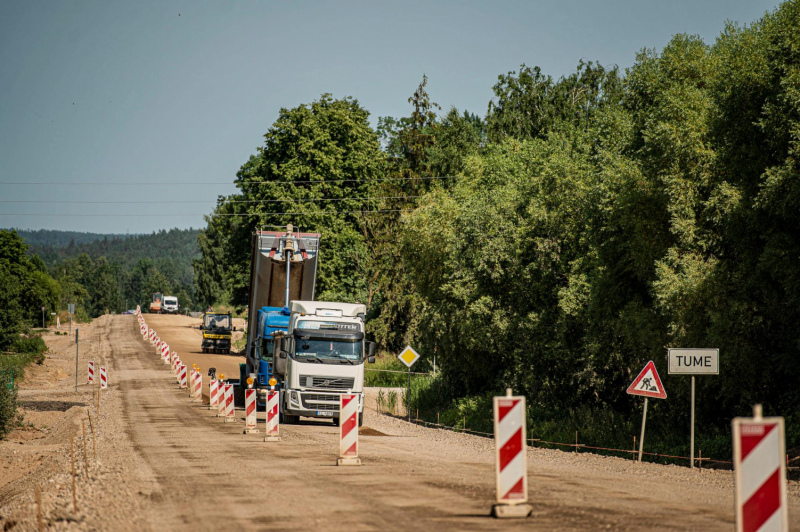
(155, 305)
(216, 329)
(314, 350)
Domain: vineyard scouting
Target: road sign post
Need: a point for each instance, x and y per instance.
(408, 357)
(647, 384)
(692, 362)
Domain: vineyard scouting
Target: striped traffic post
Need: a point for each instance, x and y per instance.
(212, 394)
(103, 378)
(221, 396)
(91, 372)
(191, 380)
(198, 386)
(348, 430)
(182, 375)
(250, 408)
(229, 409)
(759, 448)
(511, 471)
(273, 418)
(165, 354)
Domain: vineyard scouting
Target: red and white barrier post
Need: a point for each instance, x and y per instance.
(103, 378)
(273, 417)
(198, 386)
(250, 408)
(221, 396)
(182, 376)
(213, 400)
(759, 448)
(165, 353)
(91, 372)
(229, 409)
(511, 468)
(191, 380)
(348, 430)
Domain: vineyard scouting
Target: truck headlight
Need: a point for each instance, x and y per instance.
(295, 398)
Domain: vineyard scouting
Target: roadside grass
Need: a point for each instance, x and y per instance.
(386, 363)
(595, 426)
(25, 350)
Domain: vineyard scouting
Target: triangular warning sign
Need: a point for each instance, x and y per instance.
(648, 383)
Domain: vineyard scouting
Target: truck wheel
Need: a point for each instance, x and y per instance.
(336, 422)
(361, 419)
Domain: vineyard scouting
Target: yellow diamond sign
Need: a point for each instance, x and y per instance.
(408, 356)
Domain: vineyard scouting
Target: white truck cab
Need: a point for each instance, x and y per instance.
(320, 357)
(170, 305)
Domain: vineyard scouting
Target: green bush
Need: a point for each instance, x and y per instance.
(8, 403)
(385, 379)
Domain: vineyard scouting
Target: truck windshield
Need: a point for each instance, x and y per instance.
(217, 321)
(327, 349)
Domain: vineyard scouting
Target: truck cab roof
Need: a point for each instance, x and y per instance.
(328, 309)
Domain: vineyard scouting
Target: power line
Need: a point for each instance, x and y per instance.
(151, 215)
(162, 183)
(225, 201)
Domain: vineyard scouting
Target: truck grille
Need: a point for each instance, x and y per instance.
(310, 401)
(327, 383)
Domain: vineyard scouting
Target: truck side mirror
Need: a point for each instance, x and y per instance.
(371, 351)
(371, 360)
(282, 354)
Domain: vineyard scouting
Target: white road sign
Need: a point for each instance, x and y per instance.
(693, 361)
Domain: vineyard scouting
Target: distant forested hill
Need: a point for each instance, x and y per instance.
(179, 245)
(56, 239)
(113, 272)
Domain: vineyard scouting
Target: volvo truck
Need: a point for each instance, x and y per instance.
(282, 283)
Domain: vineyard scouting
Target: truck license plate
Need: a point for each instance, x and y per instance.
(324, 413)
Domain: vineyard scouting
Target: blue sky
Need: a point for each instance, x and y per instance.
(182, 92)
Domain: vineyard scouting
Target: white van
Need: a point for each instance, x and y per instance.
(170, 305)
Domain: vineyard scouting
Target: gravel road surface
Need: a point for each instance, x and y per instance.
(164, 463)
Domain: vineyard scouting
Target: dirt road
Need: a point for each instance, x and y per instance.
(168, 464)
(184, 337)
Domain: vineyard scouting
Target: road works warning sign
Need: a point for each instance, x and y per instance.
(648, 383)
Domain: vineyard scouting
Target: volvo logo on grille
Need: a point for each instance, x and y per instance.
(325, 383)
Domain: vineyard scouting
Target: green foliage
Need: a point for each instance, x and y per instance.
(378, 374)
(24, 288)
(590, 223)
(316, 159)
(8, 406)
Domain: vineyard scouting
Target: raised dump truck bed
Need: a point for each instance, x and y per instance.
(268, 284)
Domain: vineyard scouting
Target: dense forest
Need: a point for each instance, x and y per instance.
(107, 273)
(577, 230)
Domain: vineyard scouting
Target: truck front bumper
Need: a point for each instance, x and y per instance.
(216, 343)
(318, 404)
